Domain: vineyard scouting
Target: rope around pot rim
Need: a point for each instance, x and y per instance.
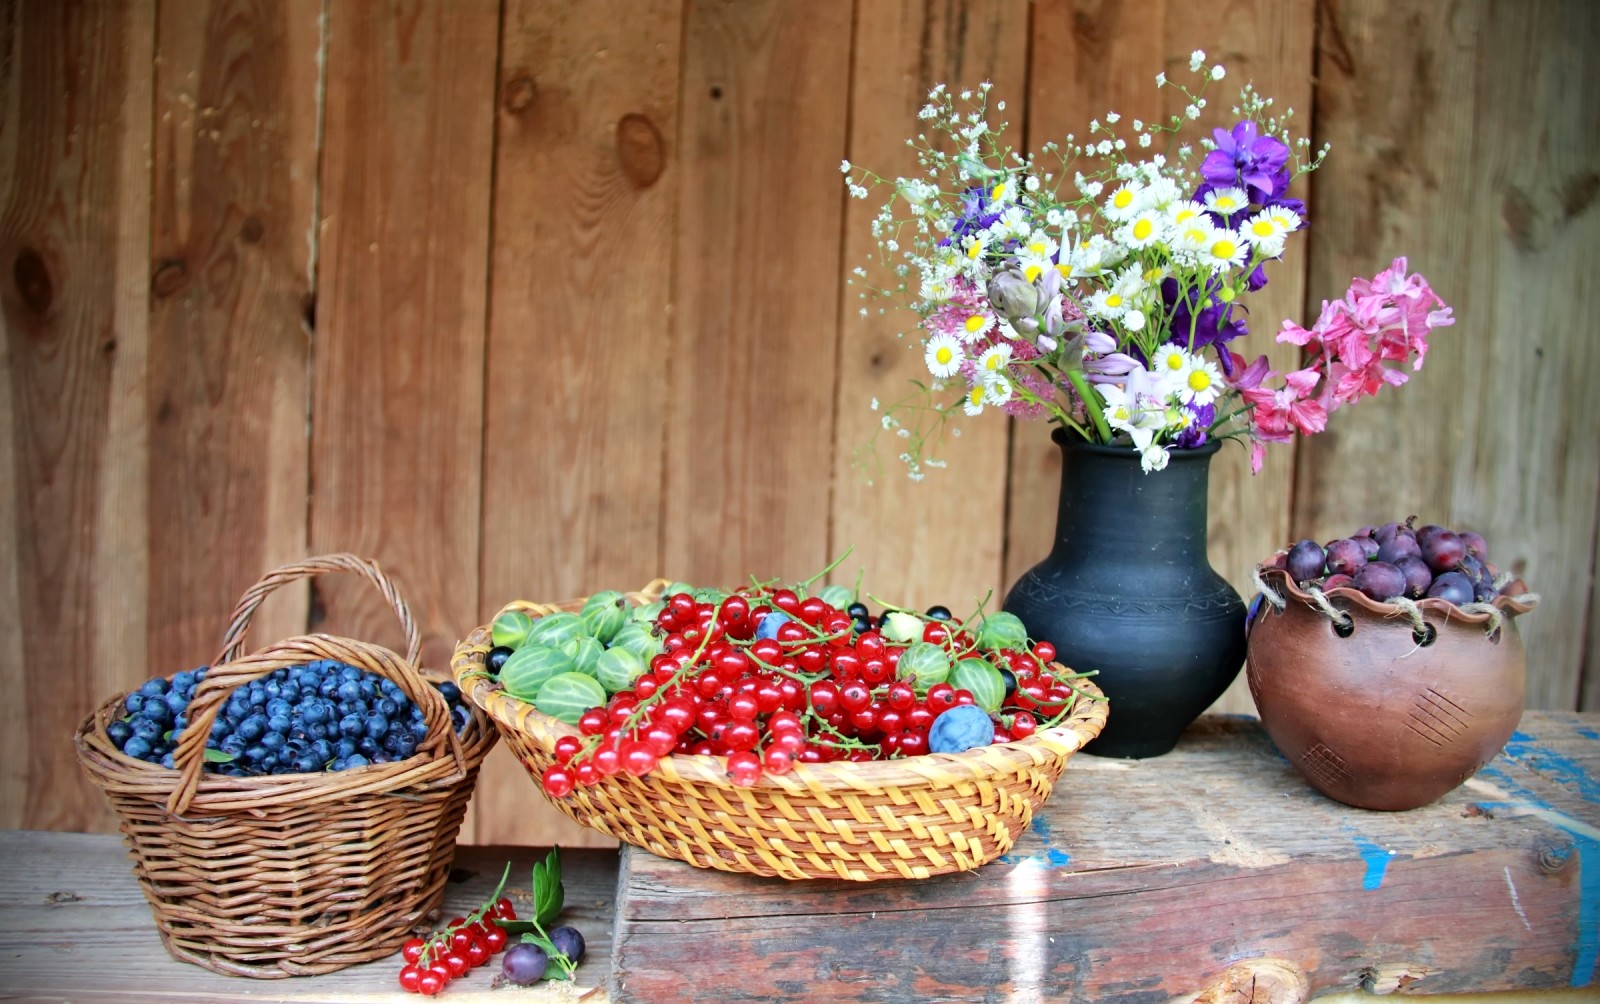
(1404, 607)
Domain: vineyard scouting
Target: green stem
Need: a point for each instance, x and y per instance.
(1091, 403)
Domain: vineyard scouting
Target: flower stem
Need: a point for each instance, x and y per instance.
(1091, 404)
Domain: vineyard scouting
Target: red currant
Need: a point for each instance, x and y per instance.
(637, 758)
(901, 695)
(744, 768)
(1045, 651)
(409, 975)
(735, 609)
(964, 697)
(941, 696)
(429, 983)
(825, 697)
(495, 940)
(787, 601)
(411, 951)
(478, 953)
(789, 633)
(593, 722)
(587, 773)
(854, 696)
(567, 747)
(913, 743)
(440, 970)
(936, 633)
(558, 781)
(811, 609)
(777, 760)
(743, 707)
(741, 735)
(456, 962)
(1023, 725)
(504, 909)
(766, 650)
(846, 664)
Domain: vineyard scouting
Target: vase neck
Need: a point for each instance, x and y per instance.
(1108, 502)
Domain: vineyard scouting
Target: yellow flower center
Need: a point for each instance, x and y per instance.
(1226, 202)
(1123, 199)
(1224, 249)
(1199, 380)
(944, 355)
(1185, 214)
(975, 323)
(975, 395)
(1113, 300)
(975, 249)
(1174, 362)
(993, 362)
(1032, 272)
(1121, 414)
(999, 192)
(1142, 229)
(1263, 228)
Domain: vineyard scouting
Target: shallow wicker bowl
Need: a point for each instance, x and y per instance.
(906, 818)
(293, 874)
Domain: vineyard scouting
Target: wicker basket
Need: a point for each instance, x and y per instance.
(906, 818)
(293, 874)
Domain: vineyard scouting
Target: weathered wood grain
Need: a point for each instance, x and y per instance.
(938, 541)
(1093, 57)
(576, 389)
(75, 86)
(1463, 137)
(765, 98)
(397, 409)
(235, 165)
(66, 896)
(1144, 880)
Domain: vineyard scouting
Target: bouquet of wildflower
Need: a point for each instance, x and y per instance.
(1108, 307)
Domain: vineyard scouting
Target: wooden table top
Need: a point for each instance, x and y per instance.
(1139, 881)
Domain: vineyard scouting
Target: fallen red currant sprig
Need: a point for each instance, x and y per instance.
(461, 946)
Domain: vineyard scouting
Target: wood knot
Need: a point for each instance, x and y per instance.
(519, 93)
(252, 230)
(1554, 858)
(171, 276)
(34, 284)
(640, 149)
(1392, 977)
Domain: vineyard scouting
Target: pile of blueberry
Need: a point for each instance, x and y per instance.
(323, 715)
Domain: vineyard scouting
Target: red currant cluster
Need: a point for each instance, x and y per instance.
(465, 944)
(821, 686)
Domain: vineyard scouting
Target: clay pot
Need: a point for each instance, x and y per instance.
(1374, 714)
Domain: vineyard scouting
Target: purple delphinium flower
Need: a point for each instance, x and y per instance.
(1216, 325)
(1200, 419)
(1246, 159)
(976, 214)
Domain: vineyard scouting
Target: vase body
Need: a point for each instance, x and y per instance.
(1373, 716)
(1128, 590)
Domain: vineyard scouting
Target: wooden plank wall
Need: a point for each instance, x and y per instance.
(528, 299)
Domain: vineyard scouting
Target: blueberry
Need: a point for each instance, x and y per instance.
(960, 728)
(369, 690)
(404, 744)
(146, 728)
(387, 707)
(349, 674)
(270, 763)
(328, 687)
(459, 717)
(349, 691)
(496, 658)
(118, 733)
(137, 747)
(352, 726)
(233, 745)
(158, 712)
(280, 724)
(221, 727)
(356, 760)
(200, 674)
(183, 680)
(278, 706)
(450, 692)
(166, 760)
(255, 754)
(322, 750)
(252, 728)
(419, 729)
(344, 748)
(768, 628)
(272, 741)
(318, 731)
(368, 746)
(290, 692)
(338, 764)
(307, 764)
(135, 703)
(377, 725)
(177, 702)
(154, 688)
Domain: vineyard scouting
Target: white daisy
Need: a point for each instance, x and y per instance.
(1284, 218)
(972, 404)
(994, 360)
(1226, 250)
(1153, 458)
(996, 390)
(1203, 383)
(975, 244)
(1037, 256)
(1134, 320)
(1125, 201)
(1227, 201)
(1161, 193)
(1003, 191)
(1107, 303)
(1143, 230)
(1183, 211)
(1012, 225)
(1193, 237)
(976, 326)
(1260, 231)
(1170, 365)
(943, 355)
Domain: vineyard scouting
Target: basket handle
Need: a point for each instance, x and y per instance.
(239, 622)
(223, 678)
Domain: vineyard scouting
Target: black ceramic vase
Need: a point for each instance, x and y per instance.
(1128, 590)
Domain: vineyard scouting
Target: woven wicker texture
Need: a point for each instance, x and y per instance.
(293, 874)
(907, 818)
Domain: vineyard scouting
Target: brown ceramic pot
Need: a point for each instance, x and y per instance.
(1370, 715)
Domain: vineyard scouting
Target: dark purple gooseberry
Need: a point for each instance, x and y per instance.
(1335, 581)
(1305, 561)
(1369, 547)
(1427, 530)
(1475, 545)
(1380, 581)
(1345, 557)
(524, 964)
(1474, 569)
(569, 942)
(1419, 579)
(1365, 531)
(1452, 587)
(1442, 550)
(1484, 592)
(1389, 531)
(1397, 547)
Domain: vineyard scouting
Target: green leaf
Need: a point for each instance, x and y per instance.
(515, 927)
(217, 756)
(548, 894)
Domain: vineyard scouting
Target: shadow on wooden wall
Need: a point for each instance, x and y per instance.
(528, 299)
